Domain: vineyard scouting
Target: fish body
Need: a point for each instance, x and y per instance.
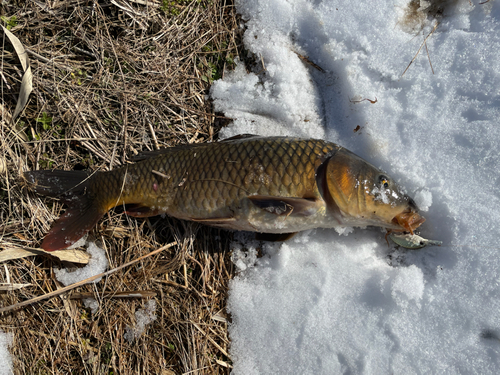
(251, 183)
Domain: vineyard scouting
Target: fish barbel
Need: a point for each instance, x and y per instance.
(250, 183)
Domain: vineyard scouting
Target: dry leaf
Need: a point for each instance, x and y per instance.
(26, 82)
(74, 256)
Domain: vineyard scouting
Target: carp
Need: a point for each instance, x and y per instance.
(272, 185)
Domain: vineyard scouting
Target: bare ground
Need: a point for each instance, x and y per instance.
(112, 78)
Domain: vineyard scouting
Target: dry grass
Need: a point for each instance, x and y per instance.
(421, 13)
(112, 78)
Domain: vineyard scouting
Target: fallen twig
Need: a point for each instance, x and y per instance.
(308, 61)
(83, 282)
(362, 100)
(423, 43)
(131, 294)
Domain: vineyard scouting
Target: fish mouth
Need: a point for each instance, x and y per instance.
(409, 220)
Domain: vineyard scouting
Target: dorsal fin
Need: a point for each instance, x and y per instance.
(151, 154)
(240, 136)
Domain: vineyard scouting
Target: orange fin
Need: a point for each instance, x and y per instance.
(72, 188)
(285, 205)
(71, 226)
(274, 237)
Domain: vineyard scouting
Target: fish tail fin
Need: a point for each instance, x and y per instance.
(72, 188)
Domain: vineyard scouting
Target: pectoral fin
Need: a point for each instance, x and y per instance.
(285, 205)
(215, 220)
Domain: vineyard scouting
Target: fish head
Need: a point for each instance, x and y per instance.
(367, 196)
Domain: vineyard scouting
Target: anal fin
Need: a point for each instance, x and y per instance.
(221, 222)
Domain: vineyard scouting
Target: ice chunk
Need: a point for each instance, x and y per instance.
(244, 259)
(92, 304)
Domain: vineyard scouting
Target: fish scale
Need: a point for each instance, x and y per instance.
(202, 179)
(261, 184)
(209, 179)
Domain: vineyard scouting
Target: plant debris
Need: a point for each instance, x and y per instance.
(111, 79)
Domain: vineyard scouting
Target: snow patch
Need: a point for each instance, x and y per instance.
(98, 263)
(143, 317)
(323, 303)
(6, 339)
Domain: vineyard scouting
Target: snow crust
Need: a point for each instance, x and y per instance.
(323, 303)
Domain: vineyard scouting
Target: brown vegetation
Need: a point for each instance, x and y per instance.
(112, 78)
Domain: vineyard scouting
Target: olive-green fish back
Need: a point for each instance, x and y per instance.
(206, 180)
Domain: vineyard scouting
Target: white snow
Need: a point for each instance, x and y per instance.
(423, 199)
(243, 259)
(323, 303)
(5, 357)
(92, 304)
(143, 317)
(98, 263)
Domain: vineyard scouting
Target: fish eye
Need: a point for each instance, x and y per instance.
(384, 181)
